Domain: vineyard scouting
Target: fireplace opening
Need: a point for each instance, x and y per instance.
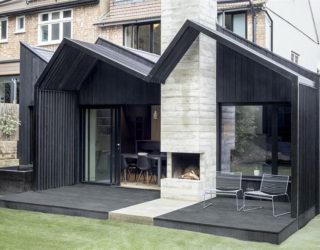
(186, 166)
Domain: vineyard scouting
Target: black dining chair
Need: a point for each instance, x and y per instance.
(144, 164)
(127, 169)
(124, 168)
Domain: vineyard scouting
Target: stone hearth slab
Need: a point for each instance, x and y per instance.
(144, 213)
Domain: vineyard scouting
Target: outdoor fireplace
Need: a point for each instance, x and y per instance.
(186, 166)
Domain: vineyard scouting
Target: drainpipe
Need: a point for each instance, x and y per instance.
(254, 22)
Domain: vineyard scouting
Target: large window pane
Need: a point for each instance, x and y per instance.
(256, 139)
(157, 38)
(44, 33)
(284, 140)
(98, 145)
(239, 24)
(67, 29)
(3, 30)
(128, 36)
(144, 37)
(9, 89)
(55, 31)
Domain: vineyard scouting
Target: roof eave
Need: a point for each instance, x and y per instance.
(42, 8)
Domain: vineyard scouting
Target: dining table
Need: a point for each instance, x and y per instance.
(154, 156)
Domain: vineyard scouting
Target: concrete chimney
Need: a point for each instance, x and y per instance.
(188, 100)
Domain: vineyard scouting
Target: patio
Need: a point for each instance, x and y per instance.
(223, 219)
(124, 204)
(94, 201)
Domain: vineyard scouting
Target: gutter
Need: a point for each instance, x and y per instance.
(37, 9)
(129, 21)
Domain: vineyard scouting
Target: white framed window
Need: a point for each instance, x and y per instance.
(3, 29)
(20, 24)
(54, 26)
(295, 57)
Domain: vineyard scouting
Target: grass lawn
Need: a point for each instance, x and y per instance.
(29, 230)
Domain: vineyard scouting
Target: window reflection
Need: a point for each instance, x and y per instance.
(256, 139)
(9, 89)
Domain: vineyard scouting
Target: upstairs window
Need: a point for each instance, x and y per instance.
(3, 29)
(20, 24)
(143, 36)
(54, 26)
(236, 22)
(295, 57)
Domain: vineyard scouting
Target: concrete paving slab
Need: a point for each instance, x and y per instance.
(144, 213)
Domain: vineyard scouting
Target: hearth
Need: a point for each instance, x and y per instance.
(186, 166)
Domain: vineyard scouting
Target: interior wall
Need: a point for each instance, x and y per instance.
(130, 116)
(155, 123)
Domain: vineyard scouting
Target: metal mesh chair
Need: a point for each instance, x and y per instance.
(272, 186)
(227, 183)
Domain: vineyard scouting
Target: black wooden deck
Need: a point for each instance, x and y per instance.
(223, 219)
(95, 201)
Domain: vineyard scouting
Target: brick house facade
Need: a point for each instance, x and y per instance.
(106, 20)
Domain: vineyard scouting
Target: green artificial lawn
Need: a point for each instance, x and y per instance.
(30, 230)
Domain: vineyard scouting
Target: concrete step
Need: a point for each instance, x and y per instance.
(144, 213)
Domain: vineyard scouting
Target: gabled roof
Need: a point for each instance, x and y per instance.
(73, 60)
(187, 35)
(43, 54)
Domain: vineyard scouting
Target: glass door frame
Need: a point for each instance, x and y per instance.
(115, 170)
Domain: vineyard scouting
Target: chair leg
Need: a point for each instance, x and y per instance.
(205, 205)
(244, 209)
(125, 175)
(139, 176)
(147, 177)
(237, 201)
(273, 208)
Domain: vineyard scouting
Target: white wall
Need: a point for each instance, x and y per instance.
(286, 38)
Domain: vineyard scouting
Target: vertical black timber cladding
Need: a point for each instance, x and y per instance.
(107, 85)
(57, 139)
(308, 148)
(241, 80)
(31, 66)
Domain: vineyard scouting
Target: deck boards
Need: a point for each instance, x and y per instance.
(223, 219)
(81, 200)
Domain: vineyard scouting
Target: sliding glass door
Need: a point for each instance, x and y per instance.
(101, 146)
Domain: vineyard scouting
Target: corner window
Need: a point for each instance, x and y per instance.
(256, 139)
(54, 26)
(236, 22)
(3, 29)
(145, 37)
(20, 24)
(295, 57)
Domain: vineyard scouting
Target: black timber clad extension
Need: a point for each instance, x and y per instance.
(106, 85)
(57, 139)
(33, 62)
(240, 79)
(82, 74)
(308, 156)
(293, 66)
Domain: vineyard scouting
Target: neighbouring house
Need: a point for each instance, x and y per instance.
(277, 26)
(137, 24)
(211, 101)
